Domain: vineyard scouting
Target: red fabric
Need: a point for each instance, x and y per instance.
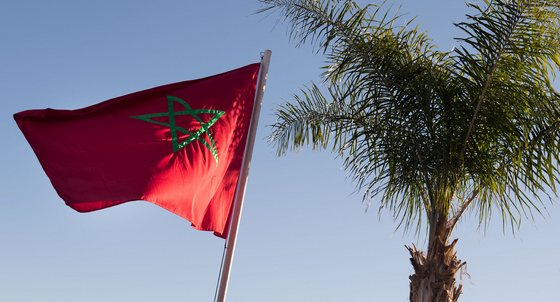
(104, 155)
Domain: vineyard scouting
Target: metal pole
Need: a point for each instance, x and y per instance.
(263, 73)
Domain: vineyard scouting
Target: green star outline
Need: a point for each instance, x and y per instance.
(192, 135)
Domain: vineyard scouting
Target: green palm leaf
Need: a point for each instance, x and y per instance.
(433, 134)
(422, 128)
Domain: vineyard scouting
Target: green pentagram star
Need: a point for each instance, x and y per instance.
(171, 113)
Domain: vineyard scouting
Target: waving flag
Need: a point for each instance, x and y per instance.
(179, 146)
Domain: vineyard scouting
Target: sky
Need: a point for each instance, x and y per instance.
(304, 232)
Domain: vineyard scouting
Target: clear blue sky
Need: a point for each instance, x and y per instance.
(304, 235)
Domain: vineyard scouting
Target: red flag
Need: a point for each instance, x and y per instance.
(179, 146)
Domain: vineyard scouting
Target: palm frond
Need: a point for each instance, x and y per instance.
(425, 130)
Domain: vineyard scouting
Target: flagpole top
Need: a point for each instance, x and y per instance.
(266, 52)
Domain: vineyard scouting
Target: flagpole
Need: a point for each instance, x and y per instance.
(240, 194)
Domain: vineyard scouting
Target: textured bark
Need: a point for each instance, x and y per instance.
(434, 278)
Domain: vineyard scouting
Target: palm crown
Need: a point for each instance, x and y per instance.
(432, 132)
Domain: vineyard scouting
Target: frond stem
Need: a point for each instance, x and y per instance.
(453, 221)
(483, 94)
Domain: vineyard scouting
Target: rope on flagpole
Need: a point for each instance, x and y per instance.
(220, 272)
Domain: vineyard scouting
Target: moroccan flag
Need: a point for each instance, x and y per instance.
(179, 146)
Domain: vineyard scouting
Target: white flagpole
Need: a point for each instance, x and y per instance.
(263, 73)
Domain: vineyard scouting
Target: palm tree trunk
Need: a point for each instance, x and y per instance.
(434, 274)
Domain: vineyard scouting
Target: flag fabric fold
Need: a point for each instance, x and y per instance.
(179, 146)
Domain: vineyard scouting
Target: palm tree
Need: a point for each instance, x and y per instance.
(432, 133)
